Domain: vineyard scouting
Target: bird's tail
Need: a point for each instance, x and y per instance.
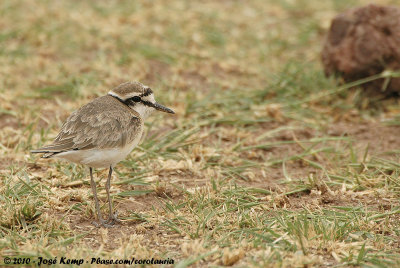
(47, 151)
(46, 154)
(55, 148)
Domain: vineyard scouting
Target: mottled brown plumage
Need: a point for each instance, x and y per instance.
(103, 132)
(103, 123)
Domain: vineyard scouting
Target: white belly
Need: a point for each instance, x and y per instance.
(99, 158)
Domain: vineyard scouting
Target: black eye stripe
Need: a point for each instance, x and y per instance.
(128, 102)
(147, 103)
(132, 101)
(136, 99)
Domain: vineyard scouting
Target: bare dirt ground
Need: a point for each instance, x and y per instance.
(267, 162)
(378, 137)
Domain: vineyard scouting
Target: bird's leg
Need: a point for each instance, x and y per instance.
(96, 201)
(112, 218)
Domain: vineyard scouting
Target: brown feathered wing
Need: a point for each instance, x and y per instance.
(102, 123)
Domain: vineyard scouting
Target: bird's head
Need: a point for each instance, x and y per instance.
(138, 97)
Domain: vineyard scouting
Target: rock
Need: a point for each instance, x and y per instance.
(362, 42)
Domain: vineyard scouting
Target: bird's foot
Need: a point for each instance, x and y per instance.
(112, 219)
(103, 223)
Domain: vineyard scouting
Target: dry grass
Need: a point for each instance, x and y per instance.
(267, 162)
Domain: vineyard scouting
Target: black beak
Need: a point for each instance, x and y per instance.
(162, 108)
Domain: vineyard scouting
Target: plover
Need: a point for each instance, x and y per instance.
(103, 132)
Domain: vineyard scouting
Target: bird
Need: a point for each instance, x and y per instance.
(103, 132)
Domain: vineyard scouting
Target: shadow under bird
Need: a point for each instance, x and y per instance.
(103, 132)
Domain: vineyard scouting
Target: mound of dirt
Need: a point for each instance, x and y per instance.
(362, 42)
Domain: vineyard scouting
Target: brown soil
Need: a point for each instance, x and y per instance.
(362, 42)
(380, 138)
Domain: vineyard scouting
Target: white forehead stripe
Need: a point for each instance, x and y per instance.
(112, 93)
(124, 97)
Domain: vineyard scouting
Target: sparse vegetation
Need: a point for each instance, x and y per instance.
(267, 163)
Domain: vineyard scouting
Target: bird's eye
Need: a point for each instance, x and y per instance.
(136, 99)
